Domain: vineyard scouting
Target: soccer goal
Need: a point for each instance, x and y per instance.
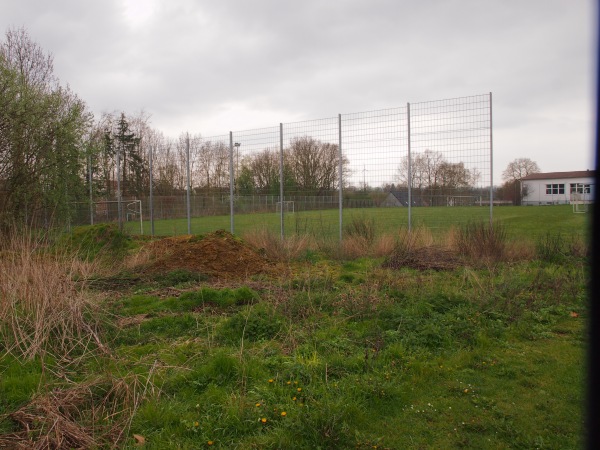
(288, 206)
(580, 203)
(108, 211)
(580, 197)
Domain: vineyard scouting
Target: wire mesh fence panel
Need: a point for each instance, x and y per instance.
(450, 161)
(426, 163)
(375, 196)
(256, 175)
(311, 177)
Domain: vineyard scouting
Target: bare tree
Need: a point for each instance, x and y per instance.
(314, 165)
(264, 169)
(520, 168)
(513, 189)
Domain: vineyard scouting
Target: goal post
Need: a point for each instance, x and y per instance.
(288, 206)
(580, 197)
(103, 211)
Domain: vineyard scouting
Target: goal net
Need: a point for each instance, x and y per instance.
(580, 202)
(580, 197)
(287, 206)
(108, 211)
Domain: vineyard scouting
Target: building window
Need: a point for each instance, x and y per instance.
(555, 189)
(580, 188)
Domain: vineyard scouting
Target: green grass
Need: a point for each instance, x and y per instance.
(347, 354)
(521, 221)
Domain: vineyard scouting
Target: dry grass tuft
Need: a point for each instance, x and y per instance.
(384, 245)
(355, 246)
(276, 249)
(44, 306)
(95, 414)
(480, 241)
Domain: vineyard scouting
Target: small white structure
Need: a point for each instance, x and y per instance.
(558, 188)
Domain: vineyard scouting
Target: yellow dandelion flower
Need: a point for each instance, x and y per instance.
(196, 424)
(257, 405)
(294, 398)
(263, 420)
(283, 413)
(465, 391)
(289, 382)
(210, 442)
(270, 380)
(299, 389)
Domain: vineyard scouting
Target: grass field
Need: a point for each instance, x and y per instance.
(519, 221)
(320, 353)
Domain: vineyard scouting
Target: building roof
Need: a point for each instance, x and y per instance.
(554, 175)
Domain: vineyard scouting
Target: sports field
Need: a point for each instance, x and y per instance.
(519, 221)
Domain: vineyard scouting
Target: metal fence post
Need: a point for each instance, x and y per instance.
(119, 206)
(409, 169)
(341, 170)
(231, 181)
(491, 166)
(91, 189)
(281, 192)
(151, 206)
(189, 184)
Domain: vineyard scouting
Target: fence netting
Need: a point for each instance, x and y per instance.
(395, 167)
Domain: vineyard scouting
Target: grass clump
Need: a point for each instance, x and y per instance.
(481, 241)
(277, 249)
(361, 226)
(44, 306)
(102, 241)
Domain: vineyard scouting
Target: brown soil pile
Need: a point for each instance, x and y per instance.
(424, 258)
(219, 254)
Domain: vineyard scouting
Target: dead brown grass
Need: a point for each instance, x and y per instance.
(93, 414)
(276, 249)
(44, 306)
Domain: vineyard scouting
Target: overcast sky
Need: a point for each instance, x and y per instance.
(211, 66)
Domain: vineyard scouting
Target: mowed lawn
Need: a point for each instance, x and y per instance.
(519, 221)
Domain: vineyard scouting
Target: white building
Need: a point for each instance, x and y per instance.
(555, 188)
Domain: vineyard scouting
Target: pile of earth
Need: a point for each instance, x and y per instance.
(219, 254)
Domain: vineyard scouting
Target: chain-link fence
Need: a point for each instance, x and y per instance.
(396, 167)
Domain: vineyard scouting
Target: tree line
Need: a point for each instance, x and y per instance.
(432, 177)
(51, 147)
(54, 153)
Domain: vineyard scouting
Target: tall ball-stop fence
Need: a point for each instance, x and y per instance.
(396, 167)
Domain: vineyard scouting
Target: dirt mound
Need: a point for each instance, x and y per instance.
(219, 254)
(424, 258)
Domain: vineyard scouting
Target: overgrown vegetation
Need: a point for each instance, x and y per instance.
(414, 348)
